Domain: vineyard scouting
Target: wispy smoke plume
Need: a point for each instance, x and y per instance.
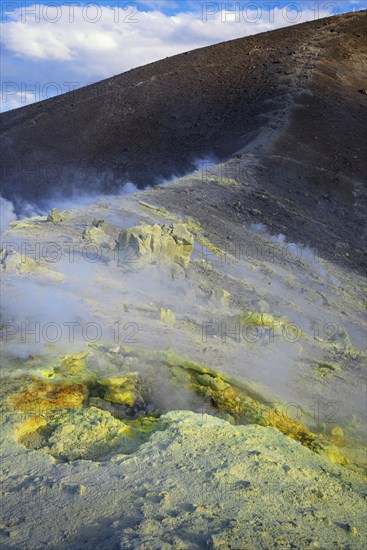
(7, 213)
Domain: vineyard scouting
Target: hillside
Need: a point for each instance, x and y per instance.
(184, 366)
(290, 101)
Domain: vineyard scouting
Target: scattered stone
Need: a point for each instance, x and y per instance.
(54, 216)
(74, 488)
(254, 212)
(167, 316)
(327, 368)
(74, 363)
(255, 318)
(222, 295)
(337, 435)
(204, 379)
(337, 431)
(218, 384)
(101, 233)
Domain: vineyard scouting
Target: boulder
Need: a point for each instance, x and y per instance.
(54, 216)
(167, 316)
(121, 390)
(156, 243)
(101, 233)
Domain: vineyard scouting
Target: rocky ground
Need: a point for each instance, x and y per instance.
(205, 397)
(185, 366)
(292, 100)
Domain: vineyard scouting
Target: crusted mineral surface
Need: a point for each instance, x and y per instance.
(101, 233)
(54, 216)
(162, 243)
(184, 367)
(43, 396)
(13, 262)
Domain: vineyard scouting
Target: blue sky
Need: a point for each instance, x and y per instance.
(51, 47)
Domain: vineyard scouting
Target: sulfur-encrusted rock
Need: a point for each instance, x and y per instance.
(167, 316)
(30, 425)
(74, 363)
(218, 384)
(20, 264)
(257, 318)
(45, 396)
(266, 320)
(204, 379)
(215, 383)
(54, 216)
(162, 243)
(121, 390)
(222, 295)
(101, 233)
(86, 433)
(326, 368)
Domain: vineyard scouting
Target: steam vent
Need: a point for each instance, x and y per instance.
(183, 316)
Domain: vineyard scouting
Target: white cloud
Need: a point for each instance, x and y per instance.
(115, 43)
(18, 99)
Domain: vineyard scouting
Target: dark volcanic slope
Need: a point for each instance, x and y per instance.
(290, 104)
(151, 122)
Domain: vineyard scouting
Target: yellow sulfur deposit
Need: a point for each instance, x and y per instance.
(101, 233)
(27, 223)
(120, 389)
(222, 295)
(234, 401)
(268, 321)
(75, 362)
(240, 403)
(20, 264)
(167, 316)
(89, 433)
(43, 396)
(162, 243)
(54, 216)
(261, 319)
(161, 211)
(30, 425)
(85, 433)
(326, 368)
(210, 246)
